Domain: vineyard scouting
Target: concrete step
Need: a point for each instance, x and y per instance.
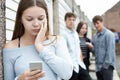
(115, 75)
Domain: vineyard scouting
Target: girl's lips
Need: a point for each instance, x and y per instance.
(36, 30)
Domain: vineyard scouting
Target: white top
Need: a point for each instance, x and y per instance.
(73, 44)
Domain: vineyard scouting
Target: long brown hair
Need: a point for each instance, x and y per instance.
(79, 26)
(23, 5)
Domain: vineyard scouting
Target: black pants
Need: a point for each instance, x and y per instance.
(105, 74)
(82, 75)
(87, 63)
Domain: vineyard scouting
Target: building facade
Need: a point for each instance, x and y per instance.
(57, 10)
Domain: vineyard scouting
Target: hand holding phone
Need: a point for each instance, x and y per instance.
(31, 75)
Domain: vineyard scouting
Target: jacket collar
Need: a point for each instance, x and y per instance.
(102, 32)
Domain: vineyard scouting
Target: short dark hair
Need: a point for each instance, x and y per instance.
(69, 14)
(97, 18)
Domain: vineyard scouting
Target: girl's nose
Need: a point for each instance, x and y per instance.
(36, 23)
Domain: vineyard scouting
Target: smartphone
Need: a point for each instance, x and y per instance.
(35, 65)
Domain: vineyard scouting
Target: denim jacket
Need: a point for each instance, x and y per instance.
(104, 49)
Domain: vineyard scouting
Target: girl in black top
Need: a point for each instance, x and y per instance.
(85, 42)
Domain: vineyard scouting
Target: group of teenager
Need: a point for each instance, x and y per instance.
(63, 57)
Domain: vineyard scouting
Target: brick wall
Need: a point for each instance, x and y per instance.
(112, 18)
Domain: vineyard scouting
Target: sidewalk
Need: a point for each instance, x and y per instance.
(93, 75)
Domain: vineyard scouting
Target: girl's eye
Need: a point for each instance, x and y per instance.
(30, 19)
(40, 18)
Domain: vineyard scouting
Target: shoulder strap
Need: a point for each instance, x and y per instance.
(19, 42)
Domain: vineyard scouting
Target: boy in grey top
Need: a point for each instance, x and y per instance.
(104, 50)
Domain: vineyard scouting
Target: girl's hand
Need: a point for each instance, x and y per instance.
(31, 75)
(41, 36)
(89, 45)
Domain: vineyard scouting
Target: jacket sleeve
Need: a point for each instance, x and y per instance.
(58, 59)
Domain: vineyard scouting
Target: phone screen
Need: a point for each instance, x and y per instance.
(35, 65)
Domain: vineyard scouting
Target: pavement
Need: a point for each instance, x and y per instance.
(92, 71)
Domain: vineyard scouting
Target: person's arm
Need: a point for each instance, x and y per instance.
(8, 65)
(9, 69)
(58, 58)
(91, 46)
(89, 43)
(110, 50)
(62, 66)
